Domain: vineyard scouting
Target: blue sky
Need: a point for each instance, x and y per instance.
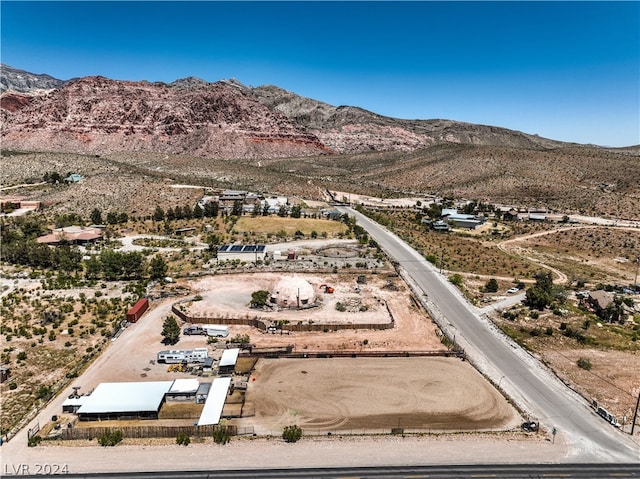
(564, 70)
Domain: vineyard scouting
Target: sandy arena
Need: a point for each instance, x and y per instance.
(374, 395)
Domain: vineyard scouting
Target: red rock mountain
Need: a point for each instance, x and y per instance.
(98, 115)
(214, 120)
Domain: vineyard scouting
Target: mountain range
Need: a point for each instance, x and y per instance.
(230, 135)
(225, 119)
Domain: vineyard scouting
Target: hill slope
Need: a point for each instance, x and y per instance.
(216, 120)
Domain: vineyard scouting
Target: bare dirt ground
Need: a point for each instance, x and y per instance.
(231, 294)
(358, 395)
(367, 398)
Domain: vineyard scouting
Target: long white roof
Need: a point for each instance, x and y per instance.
(126, 397)
(229, 357)
(212, 409)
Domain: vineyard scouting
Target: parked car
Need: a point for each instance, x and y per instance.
(513, 290)
(194, 330)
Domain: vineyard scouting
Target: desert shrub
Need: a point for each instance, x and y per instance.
(584, 363)
(240, 339)
(43, 392)
(456, 279)
(183, 439)
(548, 331)
(34, 441)
(292, 433)
(340, 307)
(534, 315)
(221, 434)
(110, 438)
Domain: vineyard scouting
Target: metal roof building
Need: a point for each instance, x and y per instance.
(228, 361)
(229, 357)
(242, 252)
(212, 409)
(128, 400)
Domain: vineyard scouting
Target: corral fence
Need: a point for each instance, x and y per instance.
(139, 432)
(262, 323)
(273, 353)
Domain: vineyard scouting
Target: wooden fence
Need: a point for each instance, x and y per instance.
(262, 323)
(138, 432)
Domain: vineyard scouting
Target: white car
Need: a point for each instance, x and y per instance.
(513, 290)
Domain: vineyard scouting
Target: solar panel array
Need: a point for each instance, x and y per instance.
(242, 248)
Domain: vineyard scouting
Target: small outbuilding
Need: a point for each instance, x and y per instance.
(293, 292)
(228, 361)
(242, 252)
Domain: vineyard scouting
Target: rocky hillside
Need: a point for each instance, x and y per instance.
(225, 119)
(98, 115)
(348, 129)
(25, 82)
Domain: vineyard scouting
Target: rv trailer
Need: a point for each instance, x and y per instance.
(197, 355)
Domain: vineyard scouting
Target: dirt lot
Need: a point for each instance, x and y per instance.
(230, 294)
(358, 395)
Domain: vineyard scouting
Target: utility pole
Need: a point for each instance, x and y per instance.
(635, 414)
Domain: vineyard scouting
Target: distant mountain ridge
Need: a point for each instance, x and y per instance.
(225, 119)
(24, 82)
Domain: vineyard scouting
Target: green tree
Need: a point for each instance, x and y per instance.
(158, 214)
(259, 298)
(96, 216)
(296, 211)
(92, 268)
(237, 208)
(543, 293)
(157, 267)
(170, 330)
(112, 217)
(211, 209)
(292, 433)
(491, 286)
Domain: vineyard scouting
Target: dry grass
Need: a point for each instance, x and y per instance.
(271, 225)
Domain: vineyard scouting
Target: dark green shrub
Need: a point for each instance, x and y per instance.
(183, 439)
(34, 441)
(110, 438)
(292, 433)
(221, 434)
(584, 363)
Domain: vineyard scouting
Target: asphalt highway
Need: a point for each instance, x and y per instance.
(510, 471)
(528, 383)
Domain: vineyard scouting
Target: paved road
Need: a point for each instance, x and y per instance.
(536, 390)
(526, 471)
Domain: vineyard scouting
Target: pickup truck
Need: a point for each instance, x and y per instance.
(194, 330)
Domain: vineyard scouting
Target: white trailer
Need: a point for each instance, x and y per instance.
(197, 355)
(217, 330)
